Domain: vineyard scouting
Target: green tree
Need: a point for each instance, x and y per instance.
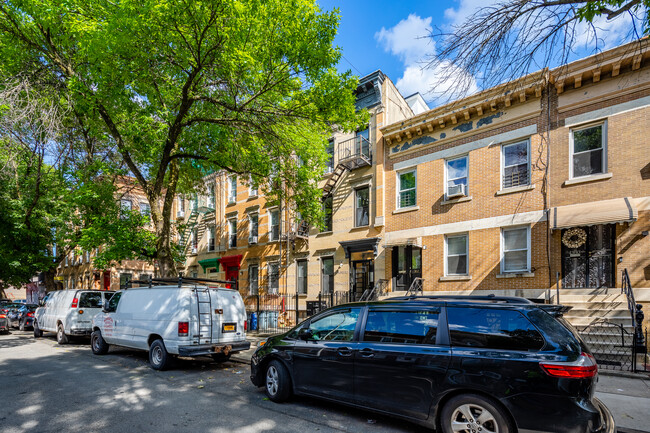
(180, 88)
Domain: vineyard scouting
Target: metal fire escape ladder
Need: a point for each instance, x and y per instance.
(189, 226)
(204, 310)
(333, 180)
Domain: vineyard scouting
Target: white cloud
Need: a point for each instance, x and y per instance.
(466, 8)
(409, 39)
(439, 84)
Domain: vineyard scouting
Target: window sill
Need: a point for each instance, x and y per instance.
(327, 233)
(585, 179)
(457, 200)
(455, 278)
(517, 275)
(515, 189)
(406, 209)
(357, 228)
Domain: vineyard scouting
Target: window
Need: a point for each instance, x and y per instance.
(301, 269)
(126, 207)
(87, 256)
(232, 189)
(90, 300)
(253, 278)
(211, 197)
(124, 279)
(492, 328)
(407, 189)
(515, 247)
(181, 206)
(410, 327)
(588, 150)
(516, 165)
(338, 326)
(113, 302)
(327, 275)
(362, 141)
(195, 240)
(327, 213)
(329, 164)
(362, 207)
(211, 239)
(456, 176)
(194, 202)
(252, 188)
(274, 229)
(274, 278)
(232, 233)
(456, 255)
(253, 228)
(145, 209)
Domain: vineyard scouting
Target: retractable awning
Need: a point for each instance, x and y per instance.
(403, 242)
(592, 213)
(209, 263)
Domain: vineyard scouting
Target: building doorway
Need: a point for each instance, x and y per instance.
(407, 266)
(362, 277)
(588, 256)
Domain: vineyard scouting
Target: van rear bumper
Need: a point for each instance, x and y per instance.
(209, 349)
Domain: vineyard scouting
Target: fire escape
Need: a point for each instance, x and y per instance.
(352, 154)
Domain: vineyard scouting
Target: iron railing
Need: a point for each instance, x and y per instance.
(516, 178)
(636, 313)
(416, 287)
(374, 293)
(355, 149)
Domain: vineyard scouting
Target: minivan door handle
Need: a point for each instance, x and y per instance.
(344, 351)
(367, 353)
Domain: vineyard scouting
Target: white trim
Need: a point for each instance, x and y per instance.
(516, 134)
(269, 229)
(399, 187)
(320, 273)
(446, 254)
(603, 140)
(230, 220)
(528, 162)
(306, 261)
(466, 226)
(603, 113)
(230, 189)
(446, 187)
(528, 250)
(356, 190)
(250, 224)
(588, 178)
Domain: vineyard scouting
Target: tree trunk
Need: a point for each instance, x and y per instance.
(161, 216)
(48, 279)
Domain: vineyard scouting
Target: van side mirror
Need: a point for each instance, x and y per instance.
(306, 334)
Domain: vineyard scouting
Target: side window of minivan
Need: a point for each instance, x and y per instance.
(492, 328)
(402, 326)
(337, 326)
(90, 300)
(112, 304)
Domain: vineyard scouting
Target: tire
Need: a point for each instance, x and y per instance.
(37, 331)
(471, 412)
(220, 357)
(61, 338)
(277, 382)
(98, 344)
(159, 359)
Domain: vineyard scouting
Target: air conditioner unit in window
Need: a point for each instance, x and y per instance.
(457, 191)
(180, 214)
(193, 250)
(252, 239)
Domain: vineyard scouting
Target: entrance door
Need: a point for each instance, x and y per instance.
(232, 272)
(588, 256)
(407, 265)
(362, 277)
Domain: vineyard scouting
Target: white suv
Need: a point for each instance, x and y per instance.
(185, 320)
(68, 313)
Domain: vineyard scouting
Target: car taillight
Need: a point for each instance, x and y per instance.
(245, 325)
(30, 314)
(183, 329)
(584, 367)
(2, 316)
(75, 303)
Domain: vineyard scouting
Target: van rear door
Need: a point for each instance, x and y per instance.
(205, 308)
(228, 317)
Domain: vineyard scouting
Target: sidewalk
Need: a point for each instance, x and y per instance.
(627, 395)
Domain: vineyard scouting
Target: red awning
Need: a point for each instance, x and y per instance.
(230, 260)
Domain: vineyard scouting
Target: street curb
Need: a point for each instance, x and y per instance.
(626, 374)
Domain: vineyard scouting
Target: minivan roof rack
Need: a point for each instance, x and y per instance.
(488, 298)
(180, 281)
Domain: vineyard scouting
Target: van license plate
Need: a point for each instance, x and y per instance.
(229, 327)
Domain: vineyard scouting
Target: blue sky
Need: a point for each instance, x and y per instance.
(391, 36)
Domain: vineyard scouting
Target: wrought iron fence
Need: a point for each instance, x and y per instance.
(611, 344)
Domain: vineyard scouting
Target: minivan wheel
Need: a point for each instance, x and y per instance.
(473, 414)
(61, 338)
(159, 359)
(277, 382)
(37, 331)
(98, 344)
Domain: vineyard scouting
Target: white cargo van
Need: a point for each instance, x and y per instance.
(184, 319)
(68, 313)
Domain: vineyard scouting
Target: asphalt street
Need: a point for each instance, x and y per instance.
(45, 387)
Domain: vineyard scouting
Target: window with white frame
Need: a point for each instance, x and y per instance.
(145, 209)
(194, 202)
(253, 228)
(362, 207)
(211, 239)
(515, 249)
(180, 211)
(329, 163)
(456, 172)
(195, 240)
(407, 189)
(274, 225)
(327, 275)
(456, 252)
(211, 196)
(252, 187)
(516, 164)
(274, 278)
(232, 189)
(232, 233)
(253, 279)
(589, 150)
(301, 270)
(126, 206)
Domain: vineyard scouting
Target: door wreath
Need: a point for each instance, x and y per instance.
(574, 238)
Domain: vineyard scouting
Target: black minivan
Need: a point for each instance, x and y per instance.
(457, 364)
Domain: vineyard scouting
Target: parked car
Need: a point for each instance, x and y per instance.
(185, 320)
(455, 364)
(68, 313)
(4, 323)
(22, 317)
(8, 307)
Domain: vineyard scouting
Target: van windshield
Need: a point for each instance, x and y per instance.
(90, 300)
